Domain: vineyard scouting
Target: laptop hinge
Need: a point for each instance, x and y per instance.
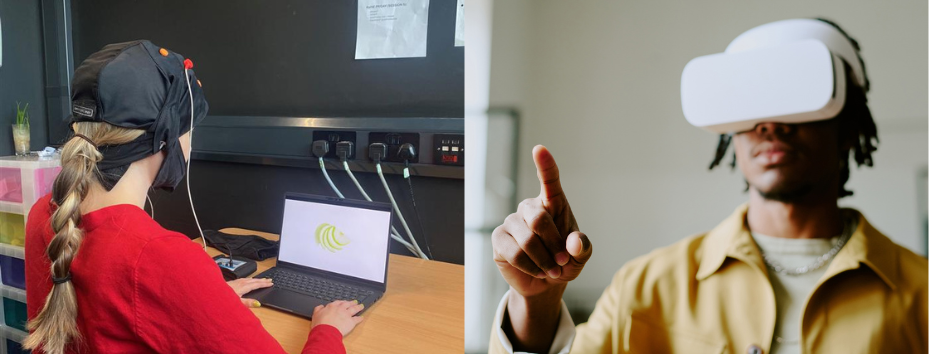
(362, 283)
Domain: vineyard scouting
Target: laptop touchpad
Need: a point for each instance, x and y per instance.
(295, 302)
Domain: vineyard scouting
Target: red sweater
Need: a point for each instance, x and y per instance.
(143, 289)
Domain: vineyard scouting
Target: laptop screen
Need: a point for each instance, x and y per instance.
(336, 238)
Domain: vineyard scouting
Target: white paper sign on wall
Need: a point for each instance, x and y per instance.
(392, 29)
(459, 25)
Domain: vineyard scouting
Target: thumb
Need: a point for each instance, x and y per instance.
(251, 303)
(547, 171)
(578, 245)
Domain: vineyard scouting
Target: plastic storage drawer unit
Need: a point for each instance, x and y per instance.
(14, 313)
(15, 348)
(23, 180)
(13, 272)
(12, 229)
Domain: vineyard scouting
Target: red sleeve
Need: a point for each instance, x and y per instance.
(38, 280)
(182, 304)
(324, 339)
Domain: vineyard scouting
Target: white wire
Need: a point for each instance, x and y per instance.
(150, 206)
(380, 173)
(394, 234)
(352, 176)
(322, 166)
(190, 140)
(403, 242)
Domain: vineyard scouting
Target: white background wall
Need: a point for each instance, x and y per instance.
(598, 83)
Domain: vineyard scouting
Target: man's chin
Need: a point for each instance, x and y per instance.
(785, 194)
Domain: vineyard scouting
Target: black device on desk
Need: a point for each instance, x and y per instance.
(331, 249)
(235, 267)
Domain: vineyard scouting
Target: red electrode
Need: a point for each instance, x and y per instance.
(188, 64)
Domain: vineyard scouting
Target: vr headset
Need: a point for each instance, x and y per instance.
(788, 71)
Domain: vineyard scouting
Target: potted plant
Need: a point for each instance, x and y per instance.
(21, 131)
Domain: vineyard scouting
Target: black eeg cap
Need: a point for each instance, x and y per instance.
(137, 85)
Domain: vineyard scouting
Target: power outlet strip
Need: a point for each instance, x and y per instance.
(393, 142)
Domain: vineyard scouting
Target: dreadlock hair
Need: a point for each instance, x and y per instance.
(854, 120)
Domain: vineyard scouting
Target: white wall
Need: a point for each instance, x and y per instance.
(598, 83)
(480, 295)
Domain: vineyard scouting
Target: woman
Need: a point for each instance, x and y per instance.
(103, 277)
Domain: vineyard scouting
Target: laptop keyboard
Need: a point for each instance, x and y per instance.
(316, 287)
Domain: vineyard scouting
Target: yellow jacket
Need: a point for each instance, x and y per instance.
(710, 293)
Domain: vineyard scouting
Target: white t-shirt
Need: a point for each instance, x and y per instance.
(792, 291)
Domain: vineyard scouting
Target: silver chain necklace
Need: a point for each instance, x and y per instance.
(820, 261)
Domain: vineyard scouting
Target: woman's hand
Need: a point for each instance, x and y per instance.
(245, 285)
(339, 314)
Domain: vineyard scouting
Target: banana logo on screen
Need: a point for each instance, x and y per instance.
(330, 238)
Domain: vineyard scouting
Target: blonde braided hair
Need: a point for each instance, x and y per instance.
(55, 327)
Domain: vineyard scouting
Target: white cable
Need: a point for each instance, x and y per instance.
(352, 176)
(190, 140)
(150, 206)
(394, 234)
(322, 166)
(380, 173)
(403, 242)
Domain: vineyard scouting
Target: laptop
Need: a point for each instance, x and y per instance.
(331, 249)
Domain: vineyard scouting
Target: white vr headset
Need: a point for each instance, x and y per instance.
(787, 71)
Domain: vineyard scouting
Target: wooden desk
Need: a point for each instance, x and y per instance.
(421, 312)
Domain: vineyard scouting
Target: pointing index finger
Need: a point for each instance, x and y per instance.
(547, 171)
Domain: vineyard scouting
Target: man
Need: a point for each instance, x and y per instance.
(787, 272)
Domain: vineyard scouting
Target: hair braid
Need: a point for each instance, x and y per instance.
(55, 327)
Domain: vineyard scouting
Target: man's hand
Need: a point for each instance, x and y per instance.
(539, 249)
(539, 246)
(245, 285)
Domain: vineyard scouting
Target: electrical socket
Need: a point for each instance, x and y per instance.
(333, 137)
(448, 149)
(393, 142)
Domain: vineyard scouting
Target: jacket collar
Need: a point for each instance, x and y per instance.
(731, 239)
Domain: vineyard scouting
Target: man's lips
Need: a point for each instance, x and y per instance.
(770, 154)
